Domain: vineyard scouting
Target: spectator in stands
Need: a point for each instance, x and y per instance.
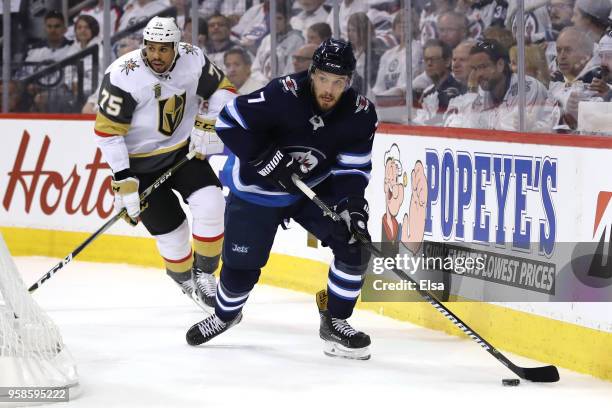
(137, 11)
(381, 16)
(390, 86)
(35, 11)
(502, 35)
(218, 39)
(452, 28)
(238, 70)
(18, 99)
(302, 57)
(57, 46)
(317, 33)
(97, 12)
(577, 68)
(483, 14)
(429, 17)
(313, 11)
(121, 47)
(346, 9)
(435, 98)
(460, 64)
(496, 104)
(127, 44)
(592, 16)
(202, 32)
(182, 11)
(537, 21)
(601, 79)
(86, 30)
(535, 63)
(252, 26)
(232, 9)
(368, 51)
(561, 12)
(287, 40)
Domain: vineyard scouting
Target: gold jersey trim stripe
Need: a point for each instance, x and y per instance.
(106, 126)
(159, 151)
(227, 84)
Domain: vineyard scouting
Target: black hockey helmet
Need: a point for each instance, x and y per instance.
(334, 56)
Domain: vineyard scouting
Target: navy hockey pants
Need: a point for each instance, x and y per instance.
(249, 233)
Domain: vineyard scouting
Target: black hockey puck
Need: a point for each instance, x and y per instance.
(510, 382)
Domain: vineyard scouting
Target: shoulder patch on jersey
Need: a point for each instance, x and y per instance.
(129, 66)
(289, 85)
(189, 49)
(361, 104)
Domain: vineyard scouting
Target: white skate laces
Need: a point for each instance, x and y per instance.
(188, 286)
(206, 284)
(343, 327)
(211, 326)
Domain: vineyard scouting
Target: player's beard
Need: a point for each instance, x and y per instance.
(326, 104)
(161, 68)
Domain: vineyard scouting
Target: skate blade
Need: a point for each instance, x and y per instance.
(208, 309)
(332, 349)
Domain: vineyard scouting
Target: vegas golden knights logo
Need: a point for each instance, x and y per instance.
(171, 113)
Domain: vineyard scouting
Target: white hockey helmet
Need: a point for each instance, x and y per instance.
(162, 30)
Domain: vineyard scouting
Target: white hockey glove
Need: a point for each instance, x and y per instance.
(204, 139)
(125, 187)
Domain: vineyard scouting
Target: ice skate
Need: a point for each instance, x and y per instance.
(341, 339)
(209, 328)
(205, 288)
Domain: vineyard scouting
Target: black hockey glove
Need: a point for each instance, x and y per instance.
(354, 212)
(278, 167)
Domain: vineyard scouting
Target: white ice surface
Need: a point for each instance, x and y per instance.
(126, 327)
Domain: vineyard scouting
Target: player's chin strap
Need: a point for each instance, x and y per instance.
(146, 193)
(535, 374)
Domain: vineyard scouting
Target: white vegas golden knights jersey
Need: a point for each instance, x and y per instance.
(155, 113)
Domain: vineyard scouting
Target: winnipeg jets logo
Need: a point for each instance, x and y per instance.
(289, 85)
(362, 104)
(307, 160)
(316, 122)
(129, 65)
(189, 49)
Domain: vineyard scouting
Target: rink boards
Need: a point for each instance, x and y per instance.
(500, 187)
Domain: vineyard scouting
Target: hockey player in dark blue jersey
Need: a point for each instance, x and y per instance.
(313, 125)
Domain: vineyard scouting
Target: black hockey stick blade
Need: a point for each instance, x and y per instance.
(546, 374)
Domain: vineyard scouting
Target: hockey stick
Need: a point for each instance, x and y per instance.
(536, 374)
(146, 193)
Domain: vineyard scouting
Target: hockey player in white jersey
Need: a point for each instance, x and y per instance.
(149, 118)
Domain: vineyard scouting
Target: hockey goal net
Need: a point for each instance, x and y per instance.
(32, 353)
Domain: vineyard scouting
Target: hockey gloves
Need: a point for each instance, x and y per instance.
(125, 187)
(204, 139)
(278, 168)
(354, 212)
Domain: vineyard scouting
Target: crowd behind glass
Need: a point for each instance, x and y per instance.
(462, 55)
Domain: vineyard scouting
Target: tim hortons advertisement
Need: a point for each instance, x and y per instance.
(502, 222)
(53, 177)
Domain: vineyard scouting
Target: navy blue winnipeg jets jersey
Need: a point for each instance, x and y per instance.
(283, 114)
